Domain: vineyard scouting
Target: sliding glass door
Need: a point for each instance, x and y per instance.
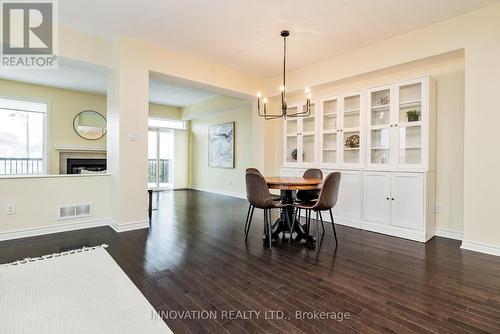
(160, 158)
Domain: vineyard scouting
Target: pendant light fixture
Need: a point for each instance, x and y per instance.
(284, 108)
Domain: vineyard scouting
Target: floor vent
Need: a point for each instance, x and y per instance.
(73, 211)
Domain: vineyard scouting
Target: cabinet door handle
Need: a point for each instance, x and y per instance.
(387, 198)
(395, 125)
(391, 125)
(392, 199)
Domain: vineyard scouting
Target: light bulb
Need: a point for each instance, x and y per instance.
(282, 88)
(258, 95)
(265, 100)
(308, 91)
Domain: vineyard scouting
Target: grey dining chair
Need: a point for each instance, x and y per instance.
(259, 197)
(326, 201)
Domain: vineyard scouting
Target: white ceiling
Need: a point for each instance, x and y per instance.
(93, 79)
(244, 34)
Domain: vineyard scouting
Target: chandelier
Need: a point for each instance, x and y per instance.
(306, 112)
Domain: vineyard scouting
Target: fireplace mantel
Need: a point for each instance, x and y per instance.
(76, 148)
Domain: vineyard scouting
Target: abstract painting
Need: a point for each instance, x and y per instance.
(221, 145)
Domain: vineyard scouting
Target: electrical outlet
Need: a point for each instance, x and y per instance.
(439, 208)
(10, 209)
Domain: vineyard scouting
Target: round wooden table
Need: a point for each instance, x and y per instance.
(288, 187)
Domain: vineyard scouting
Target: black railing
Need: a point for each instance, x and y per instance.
(20, 166)
(163, 171)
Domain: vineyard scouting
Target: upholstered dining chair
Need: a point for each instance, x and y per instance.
(250, 207)
(327, 199)
(309, 195)
(259, 197)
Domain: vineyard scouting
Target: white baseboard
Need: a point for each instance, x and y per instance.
(450, 234)
(219, 192)
(129, 226)
(481, 247)
(56, 228)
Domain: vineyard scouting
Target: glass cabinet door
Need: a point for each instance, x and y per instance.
(410, 124)
(380, 127)
(291, 139)
(308, 137)
(351, 130)
(329, 132)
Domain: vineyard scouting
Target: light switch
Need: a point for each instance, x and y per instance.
(133, 136)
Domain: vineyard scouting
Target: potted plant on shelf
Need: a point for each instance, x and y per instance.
(413, 115)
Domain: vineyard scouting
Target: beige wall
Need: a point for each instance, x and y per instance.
(163, 111)
(64, 105)
(37, 200)
(230, 181)
(449, 75)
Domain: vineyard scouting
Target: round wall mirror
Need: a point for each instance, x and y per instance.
(90, 125)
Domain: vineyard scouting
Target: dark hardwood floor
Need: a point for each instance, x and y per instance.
(194, 258)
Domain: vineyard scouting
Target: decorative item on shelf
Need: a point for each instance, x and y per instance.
(384, 100)
(306, 112)
(294, 154)
(352, 141)
(413, 115)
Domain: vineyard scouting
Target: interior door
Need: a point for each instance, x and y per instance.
(377, 202)
(407, 200)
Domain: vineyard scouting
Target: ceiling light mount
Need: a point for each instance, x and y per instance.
(284, 108)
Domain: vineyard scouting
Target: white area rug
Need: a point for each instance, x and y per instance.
(82, 291)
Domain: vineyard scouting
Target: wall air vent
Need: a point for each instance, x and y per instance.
(73, 211)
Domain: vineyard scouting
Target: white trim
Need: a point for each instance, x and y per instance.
(79, 148)
(130, 226)
(450, 234)
(481, 247)
(219, 192)
(395, 231)
(56, 228)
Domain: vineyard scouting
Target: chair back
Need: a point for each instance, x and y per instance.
(253, 170)
(329, 193)
(310, 195)
(313, 173)
(257, 191)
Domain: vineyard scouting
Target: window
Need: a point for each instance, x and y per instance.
(167, 124)
(22, 137)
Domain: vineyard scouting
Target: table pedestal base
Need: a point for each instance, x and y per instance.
(280, 226)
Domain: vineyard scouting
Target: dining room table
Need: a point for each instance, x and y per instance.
(288, 187)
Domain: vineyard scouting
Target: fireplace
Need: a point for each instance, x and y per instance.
(76, 166)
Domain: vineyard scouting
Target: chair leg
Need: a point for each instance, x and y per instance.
(269, 230)
(248, 216)
(308, 220)
(249, 223)
(291, 225)
(317, 227)
(322, 224)
(333, 225)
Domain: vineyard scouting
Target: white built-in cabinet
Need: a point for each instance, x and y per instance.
(300, 138)
(387, 181)
(341, 119)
